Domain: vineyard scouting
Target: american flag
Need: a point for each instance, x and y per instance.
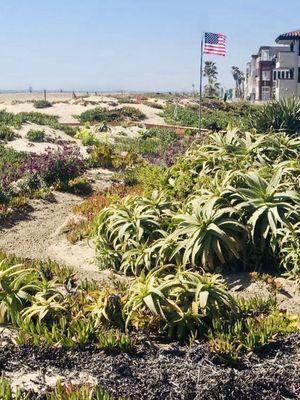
(214, 43)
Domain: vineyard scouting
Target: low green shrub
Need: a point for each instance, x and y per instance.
(87, 137)
(99, 114)
(11, 157)
(138, 145)
(102, 156)
(42, 104)
(164, 135)
(16, 120)
(69, 130)
(153, 104)
(176, 115)
(34, 135)
(7, 118)
(6, 133)
(126, 100)
(38, 118)
(149, 177)
(212, 119)
(107, 155)
(132, 114)
(80, 186)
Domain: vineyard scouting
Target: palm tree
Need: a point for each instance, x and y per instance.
(210, 71)
(239, 78)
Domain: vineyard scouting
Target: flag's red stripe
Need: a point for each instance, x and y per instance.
(214, 52)
(214, 46)
(210, 49)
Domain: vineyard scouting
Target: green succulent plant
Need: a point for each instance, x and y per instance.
(267, 204)
(17, 284)
(283, 115)
(185, 301)
(208, 237)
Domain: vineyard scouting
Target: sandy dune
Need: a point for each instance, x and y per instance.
(66, 108)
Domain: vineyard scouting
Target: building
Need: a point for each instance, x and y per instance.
(274, 72)
(287, 71)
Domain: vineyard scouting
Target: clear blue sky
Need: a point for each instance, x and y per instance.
(130, 44)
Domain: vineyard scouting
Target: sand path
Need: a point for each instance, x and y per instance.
(39, 233)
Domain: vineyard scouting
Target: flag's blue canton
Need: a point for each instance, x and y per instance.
(212, 38)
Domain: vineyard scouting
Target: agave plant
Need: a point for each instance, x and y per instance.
(217, 193)
(137, 258)
(45, 306)
(17, 284)
(208, 237)
(125, 229)
(185, 301)
(281, 146)
(106, 308)
(130, 219)
(267, 204)
(234, 148)
(283, 115)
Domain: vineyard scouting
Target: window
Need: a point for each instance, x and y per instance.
(292, 73)
(266, 75)
(274, 76)
(292, 46)
(298, 75)
(265, 55)
(279, 74)
(265, 93)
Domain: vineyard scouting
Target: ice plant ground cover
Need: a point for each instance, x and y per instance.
(106, 330)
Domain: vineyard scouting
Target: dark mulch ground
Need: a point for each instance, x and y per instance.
(171, 372)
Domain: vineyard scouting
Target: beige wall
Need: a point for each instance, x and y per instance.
(287, 60)
(286, 88)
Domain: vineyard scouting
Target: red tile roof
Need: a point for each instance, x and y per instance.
(289, 36)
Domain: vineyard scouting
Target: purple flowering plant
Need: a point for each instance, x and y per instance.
(51, 167)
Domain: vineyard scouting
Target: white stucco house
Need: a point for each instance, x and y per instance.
(287, 69)
(274, 71)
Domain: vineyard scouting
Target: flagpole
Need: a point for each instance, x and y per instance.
(200, 92)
